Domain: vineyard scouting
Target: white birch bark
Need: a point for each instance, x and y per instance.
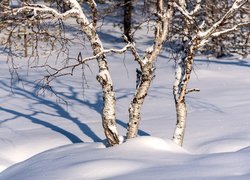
(147, 67)
(182, 77)
(181, 111)
(139, 97)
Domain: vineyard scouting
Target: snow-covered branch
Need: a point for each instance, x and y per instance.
(41, 11)
(182, 7)
(119, 51)
(234, 28)
(196, 9)
(161, 31)
(236, 5)
(183, 11)
(133, 50)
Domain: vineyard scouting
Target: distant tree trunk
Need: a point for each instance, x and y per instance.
(127, 18)
(25, 41)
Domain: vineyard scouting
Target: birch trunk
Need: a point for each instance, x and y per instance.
(108, 112)
(137, 102)
(104, 78)
(181, 112)
(182, 77)
(147, 66)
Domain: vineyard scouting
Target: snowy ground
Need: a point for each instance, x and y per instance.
(43, 139)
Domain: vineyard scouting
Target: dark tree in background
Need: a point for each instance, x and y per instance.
(127, 23)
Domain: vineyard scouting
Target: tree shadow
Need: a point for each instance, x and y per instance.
(107, 37)
(125, 125)
(60, 112)
(232, 62)
(97, 105)
(73, 138)
(199, 104)
(58, 109)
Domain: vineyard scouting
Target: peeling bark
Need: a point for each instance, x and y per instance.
(104, 78)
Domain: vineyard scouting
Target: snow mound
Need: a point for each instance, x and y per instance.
(223, 146)
(92, 160)
(153, 143)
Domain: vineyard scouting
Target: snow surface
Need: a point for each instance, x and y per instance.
(43, 139)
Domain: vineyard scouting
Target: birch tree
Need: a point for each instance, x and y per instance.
(74, 10)
(184, 18)
(194, 37)
(146, 73)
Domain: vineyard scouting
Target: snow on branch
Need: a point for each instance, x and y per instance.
(234, 28)
(160, 7)
(39, 9)
(162, 28)
(183, 11)
(133, 50)
(196, 8)
(93, 6)
(236, 5)
(44, 12)
(182, 7)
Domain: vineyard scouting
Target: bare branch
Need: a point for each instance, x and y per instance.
(192, 90)
(57, 72)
